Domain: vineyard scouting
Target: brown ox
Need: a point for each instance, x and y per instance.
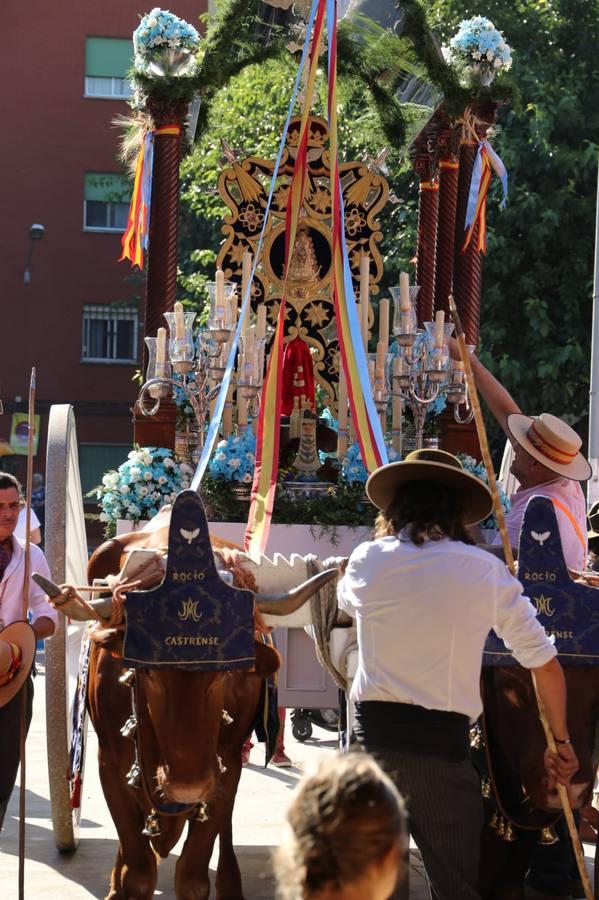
(189, 752)
(518, 744)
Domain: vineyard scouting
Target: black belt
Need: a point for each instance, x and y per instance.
(413, 729)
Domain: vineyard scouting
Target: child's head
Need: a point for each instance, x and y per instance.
(346, 827)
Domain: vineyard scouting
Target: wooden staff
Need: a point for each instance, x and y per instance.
(25, 609)
(509, 558)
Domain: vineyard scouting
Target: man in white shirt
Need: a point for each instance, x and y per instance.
(43, 621)
(424, 599)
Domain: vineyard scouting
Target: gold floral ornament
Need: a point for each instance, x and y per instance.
(251, 217)
(355, 221)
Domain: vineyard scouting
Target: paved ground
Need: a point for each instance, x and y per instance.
(261, 801)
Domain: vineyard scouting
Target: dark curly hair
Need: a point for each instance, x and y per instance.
(8, 481)
(428, 509)
(343, 819)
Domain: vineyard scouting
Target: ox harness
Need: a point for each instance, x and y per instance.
(569, 611)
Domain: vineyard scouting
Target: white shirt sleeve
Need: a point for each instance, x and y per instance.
(354, 579)
(20, 530)
(516, 622)
(38, 604)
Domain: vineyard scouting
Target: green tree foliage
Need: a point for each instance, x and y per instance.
(537, 281)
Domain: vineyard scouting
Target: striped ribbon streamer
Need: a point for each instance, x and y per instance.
(269, 420)
(351, 346)
(137, 233)
(476, 211)
(219, 405)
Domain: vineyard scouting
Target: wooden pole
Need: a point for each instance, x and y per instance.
(24, 610)
(509, 558)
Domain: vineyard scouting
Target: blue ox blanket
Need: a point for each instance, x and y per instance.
(568, 610)
(193, 620)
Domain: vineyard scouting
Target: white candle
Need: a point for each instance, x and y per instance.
(179, 322)
(384, 322)
(364, 295)
(458, 371)
(439, 328)
(160, 349)
(261, 323)
(398, 369)
(221, 308)
(404, 291)
(246, 271)
(234, 309)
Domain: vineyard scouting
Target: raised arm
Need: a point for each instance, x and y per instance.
(500, 402)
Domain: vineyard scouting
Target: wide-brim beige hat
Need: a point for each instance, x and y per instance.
(432, 465)
(551, 442)
(23, 635)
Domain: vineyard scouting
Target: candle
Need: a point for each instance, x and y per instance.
(261, 323)
(439, 328)
(384, 322)
(221, 309)
(458, 371)
(404, 291)
(234, 309)
(246, 271)
(364, 295)
(396, 410)
(179, 322)
(160, 352)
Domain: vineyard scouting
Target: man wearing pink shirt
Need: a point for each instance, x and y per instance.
(547, 462)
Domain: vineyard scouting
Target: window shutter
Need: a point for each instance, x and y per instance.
(108, 57)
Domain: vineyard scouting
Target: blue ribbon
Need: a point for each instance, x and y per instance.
(146, 184)
(222, 396)
(477, 171)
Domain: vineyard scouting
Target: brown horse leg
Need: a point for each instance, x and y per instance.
(134, 874)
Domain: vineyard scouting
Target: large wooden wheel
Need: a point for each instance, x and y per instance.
(66, 551)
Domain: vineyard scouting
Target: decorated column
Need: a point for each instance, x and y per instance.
(424, 162)
(448, 144)
(164, 71)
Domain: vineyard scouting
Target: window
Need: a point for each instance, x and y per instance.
(107, 62)
(97, 459)
(106, 206)
(109, 334)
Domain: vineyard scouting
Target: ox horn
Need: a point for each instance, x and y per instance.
(287, 603)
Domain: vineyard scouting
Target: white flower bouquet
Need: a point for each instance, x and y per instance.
(165, 45)
(479, 49)
(149, 478)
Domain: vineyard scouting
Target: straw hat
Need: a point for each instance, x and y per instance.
(17, 653)
(432, 465)
(551, 442)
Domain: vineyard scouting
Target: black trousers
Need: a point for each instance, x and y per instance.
(9, 742)
(445, 817)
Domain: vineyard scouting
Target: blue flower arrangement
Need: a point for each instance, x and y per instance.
(353, 470)
(161, 31)
(149, 478)
(478, 469)
(478, 41)
(234, 458)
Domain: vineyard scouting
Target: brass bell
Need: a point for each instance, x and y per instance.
(475, 737)
(509, 834)
(494, 821)
(221, 767)
(127, 678)
(548, 837)
(485, 788)
(227, 719)
(202, 812)
(152, 826)
(129, 728)
(500, 827)
(134, 776)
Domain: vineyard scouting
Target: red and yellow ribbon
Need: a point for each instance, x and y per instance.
(267, 435)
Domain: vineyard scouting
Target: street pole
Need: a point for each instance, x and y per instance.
(593, 489)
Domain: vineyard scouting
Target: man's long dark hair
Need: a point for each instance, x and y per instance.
(428, 509)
